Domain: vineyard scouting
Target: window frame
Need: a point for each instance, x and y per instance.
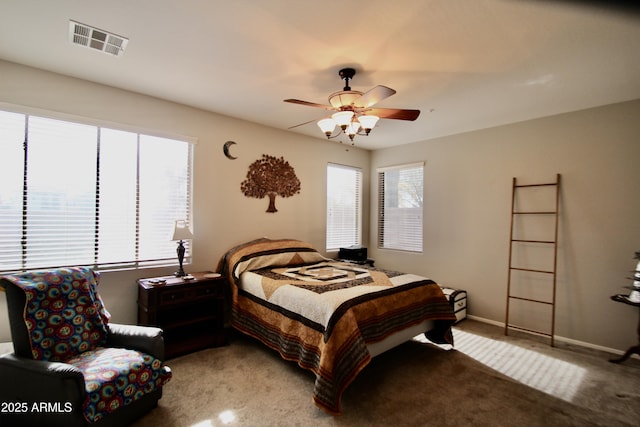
(411, 245)
(358, 183)
(20, 263)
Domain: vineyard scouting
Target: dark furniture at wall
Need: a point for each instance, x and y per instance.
(64, 345)
(636, 348)
(189, 309)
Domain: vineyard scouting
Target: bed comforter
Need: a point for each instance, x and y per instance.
(321, 313)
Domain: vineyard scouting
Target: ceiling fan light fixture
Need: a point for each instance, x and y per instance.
(352, 106)
(344, 98)
(368, 122)
(342, 118)
(327, 126)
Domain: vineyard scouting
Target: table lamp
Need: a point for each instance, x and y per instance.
(181, 233)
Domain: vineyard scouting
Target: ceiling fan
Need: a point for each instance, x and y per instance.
(355, 114)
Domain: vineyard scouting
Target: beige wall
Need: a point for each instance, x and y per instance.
(467, 197)
(223, 216)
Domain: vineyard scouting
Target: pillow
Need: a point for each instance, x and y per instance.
(262, 253)
(64, 313)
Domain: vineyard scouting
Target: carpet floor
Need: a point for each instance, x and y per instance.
(488, 379)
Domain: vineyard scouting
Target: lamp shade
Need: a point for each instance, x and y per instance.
(352, 129)
(368, 122)
(181, 231)
(327, 126)
(344, 98)
(342, 118)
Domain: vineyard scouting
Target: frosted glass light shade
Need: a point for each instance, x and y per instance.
(368, 122)
(327, 126)
(352, 129)
(344, 98)
(342, 118)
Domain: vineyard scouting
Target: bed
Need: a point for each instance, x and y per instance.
(330, 317)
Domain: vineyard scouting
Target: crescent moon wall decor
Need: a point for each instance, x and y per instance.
(226, 149)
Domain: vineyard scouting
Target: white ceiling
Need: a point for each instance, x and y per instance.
(466, 64)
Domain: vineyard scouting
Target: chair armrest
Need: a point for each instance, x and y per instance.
(146, 339)
(12, 364)
(31, 382)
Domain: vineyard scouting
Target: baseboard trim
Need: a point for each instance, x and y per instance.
(560, 338)
(6, 347)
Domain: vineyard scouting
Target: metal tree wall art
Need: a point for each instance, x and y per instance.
(270, 176)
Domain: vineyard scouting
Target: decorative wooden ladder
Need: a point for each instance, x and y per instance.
(548, 272)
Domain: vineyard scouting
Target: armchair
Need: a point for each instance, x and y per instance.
(70, 366)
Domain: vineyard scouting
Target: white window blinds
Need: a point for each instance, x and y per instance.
(400, 195)
(344, 206)
(77, 194)
(60, 210)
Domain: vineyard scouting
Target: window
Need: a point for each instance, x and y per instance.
(400, 207)
(78, 194)
(344, 206)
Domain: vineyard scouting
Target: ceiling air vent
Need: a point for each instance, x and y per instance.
(94, 38)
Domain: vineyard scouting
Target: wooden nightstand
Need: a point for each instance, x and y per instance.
(190, 312)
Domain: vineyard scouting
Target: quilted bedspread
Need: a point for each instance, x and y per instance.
(321, 313)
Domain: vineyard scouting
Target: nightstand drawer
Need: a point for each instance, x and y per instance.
(209, 291)
(173, 296)
(190, 293)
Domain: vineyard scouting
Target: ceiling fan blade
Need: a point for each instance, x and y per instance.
(394, 113)
(309, 104)
(301, 124)
(374, 96)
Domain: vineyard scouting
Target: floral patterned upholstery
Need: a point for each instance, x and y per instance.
(67, 322)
